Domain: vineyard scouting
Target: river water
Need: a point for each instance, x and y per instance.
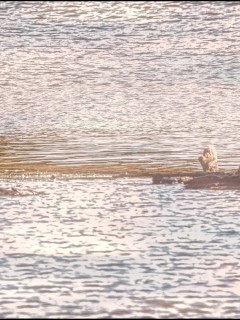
(93, 89)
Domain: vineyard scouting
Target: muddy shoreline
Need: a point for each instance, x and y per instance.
(200, 180)
(188, 176)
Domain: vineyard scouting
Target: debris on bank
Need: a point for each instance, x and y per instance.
(211, 177)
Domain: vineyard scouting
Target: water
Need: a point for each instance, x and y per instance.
(119, 82)
(121, 247)
(93, 89)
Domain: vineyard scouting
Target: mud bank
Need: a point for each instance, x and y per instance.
(214, 181)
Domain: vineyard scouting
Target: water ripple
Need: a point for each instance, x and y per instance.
(106, 89)
(119, 253)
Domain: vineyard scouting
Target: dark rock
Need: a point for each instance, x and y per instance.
(205, 181)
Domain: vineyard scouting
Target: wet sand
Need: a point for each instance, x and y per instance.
(190, 177)
(122, 169)
(155, 171)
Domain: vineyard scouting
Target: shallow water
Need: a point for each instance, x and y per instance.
(106, 89)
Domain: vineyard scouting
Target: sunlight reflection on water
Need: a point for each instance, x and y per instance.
(96, 88)
(120, 246)
(123, 82)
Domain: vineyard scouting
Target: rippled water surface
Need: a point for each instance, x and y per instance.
(121, 247)
(90, 88)
(119, 81)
